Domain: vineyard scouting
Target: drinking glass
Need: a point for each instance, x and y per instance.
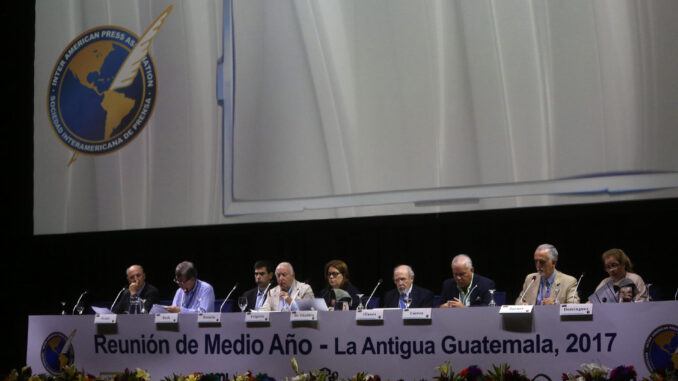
(360, 305)
(407, 300)
(492, 302)
(242, 303)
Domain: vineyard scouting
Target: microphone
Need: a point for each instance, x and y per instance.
(577, 285)
(375, 289)
(78, 302)
(522, 297)
(469, 294)
(229, 294)
(116, 298)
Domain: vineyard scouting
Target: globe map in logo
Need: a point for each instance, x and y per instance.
(661, 348)
(51, 353)
(90, 108)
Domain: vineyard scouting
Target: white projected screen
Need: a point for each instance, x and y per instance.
(352, 97)
(155, 113)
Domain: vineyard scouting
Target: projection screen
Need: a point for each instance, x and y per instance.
(155, 113)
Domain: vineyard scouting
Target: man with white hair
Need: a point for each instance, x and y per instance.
(548, 285)
(403, 277)
(282, 297)
(465, 288)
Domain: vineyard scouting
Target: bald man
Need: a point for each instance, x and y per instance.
(283, 296)
(137, 288)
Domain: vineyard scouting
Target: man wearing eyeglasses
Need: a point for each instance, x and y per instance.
(548, 286)
(263, 275)
(282, 297)
(193, 295)
(138, 288)
(406, 294)
(466, 288)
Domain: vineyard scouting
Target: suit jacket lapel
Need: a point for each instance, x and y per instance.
(295, 288)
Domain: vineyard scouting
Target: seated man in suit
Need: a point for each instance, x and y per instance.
(403, 277)
(465, 288)
(263, 275)
(282, 296)
(138, 288)
(547, 284)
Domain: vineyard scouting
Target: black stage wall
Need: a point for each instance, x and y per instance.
(44, 270)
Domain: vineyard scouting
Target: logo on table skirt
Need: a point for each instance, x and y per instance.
(103, 88)
(57, 352)
(661, 348)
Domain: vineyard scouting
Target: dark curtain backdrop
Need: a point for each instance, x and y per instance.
(44, 270)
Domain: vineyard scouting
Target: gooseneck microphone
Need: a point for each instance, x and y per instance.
(522, 297)
(78, 302)
(229, 294)
(116, 298)
(375, 289)
(576, 287)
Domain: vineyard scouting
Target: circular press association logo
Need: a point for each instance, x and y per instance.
(102, 90)
(56, 353)
(661, 348)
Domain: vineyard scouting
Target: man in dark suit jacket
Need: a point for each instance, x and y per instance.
(466, 288)
(403, 277)
(139, 288)
(263, 275)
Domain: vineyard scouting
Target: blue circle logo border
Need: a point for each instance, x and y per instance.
(114, 143)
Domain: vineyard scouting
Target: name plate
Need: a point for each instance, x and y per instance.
(576, 309)
(417, 314)
(304, 316)
(168, 318)
(257, 317)
(105, 318)
(510, 310)
(209, 317)
(377, 314)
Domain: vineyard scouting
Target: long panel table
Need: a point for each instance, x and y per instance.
(639, 334)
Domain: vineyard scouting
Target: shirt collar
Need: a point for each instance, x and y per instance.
(409, 290)
(550, 279)
(195, 287)
(467, 287)
(289, 292)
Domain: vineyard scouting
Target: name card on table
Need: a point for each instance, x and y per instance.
(377, 314)
(168, 318)
(257, 317)
(576, 309)
(209, 317)
(417, 314)
(105, 318)
(515, 310)
(304, 316)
